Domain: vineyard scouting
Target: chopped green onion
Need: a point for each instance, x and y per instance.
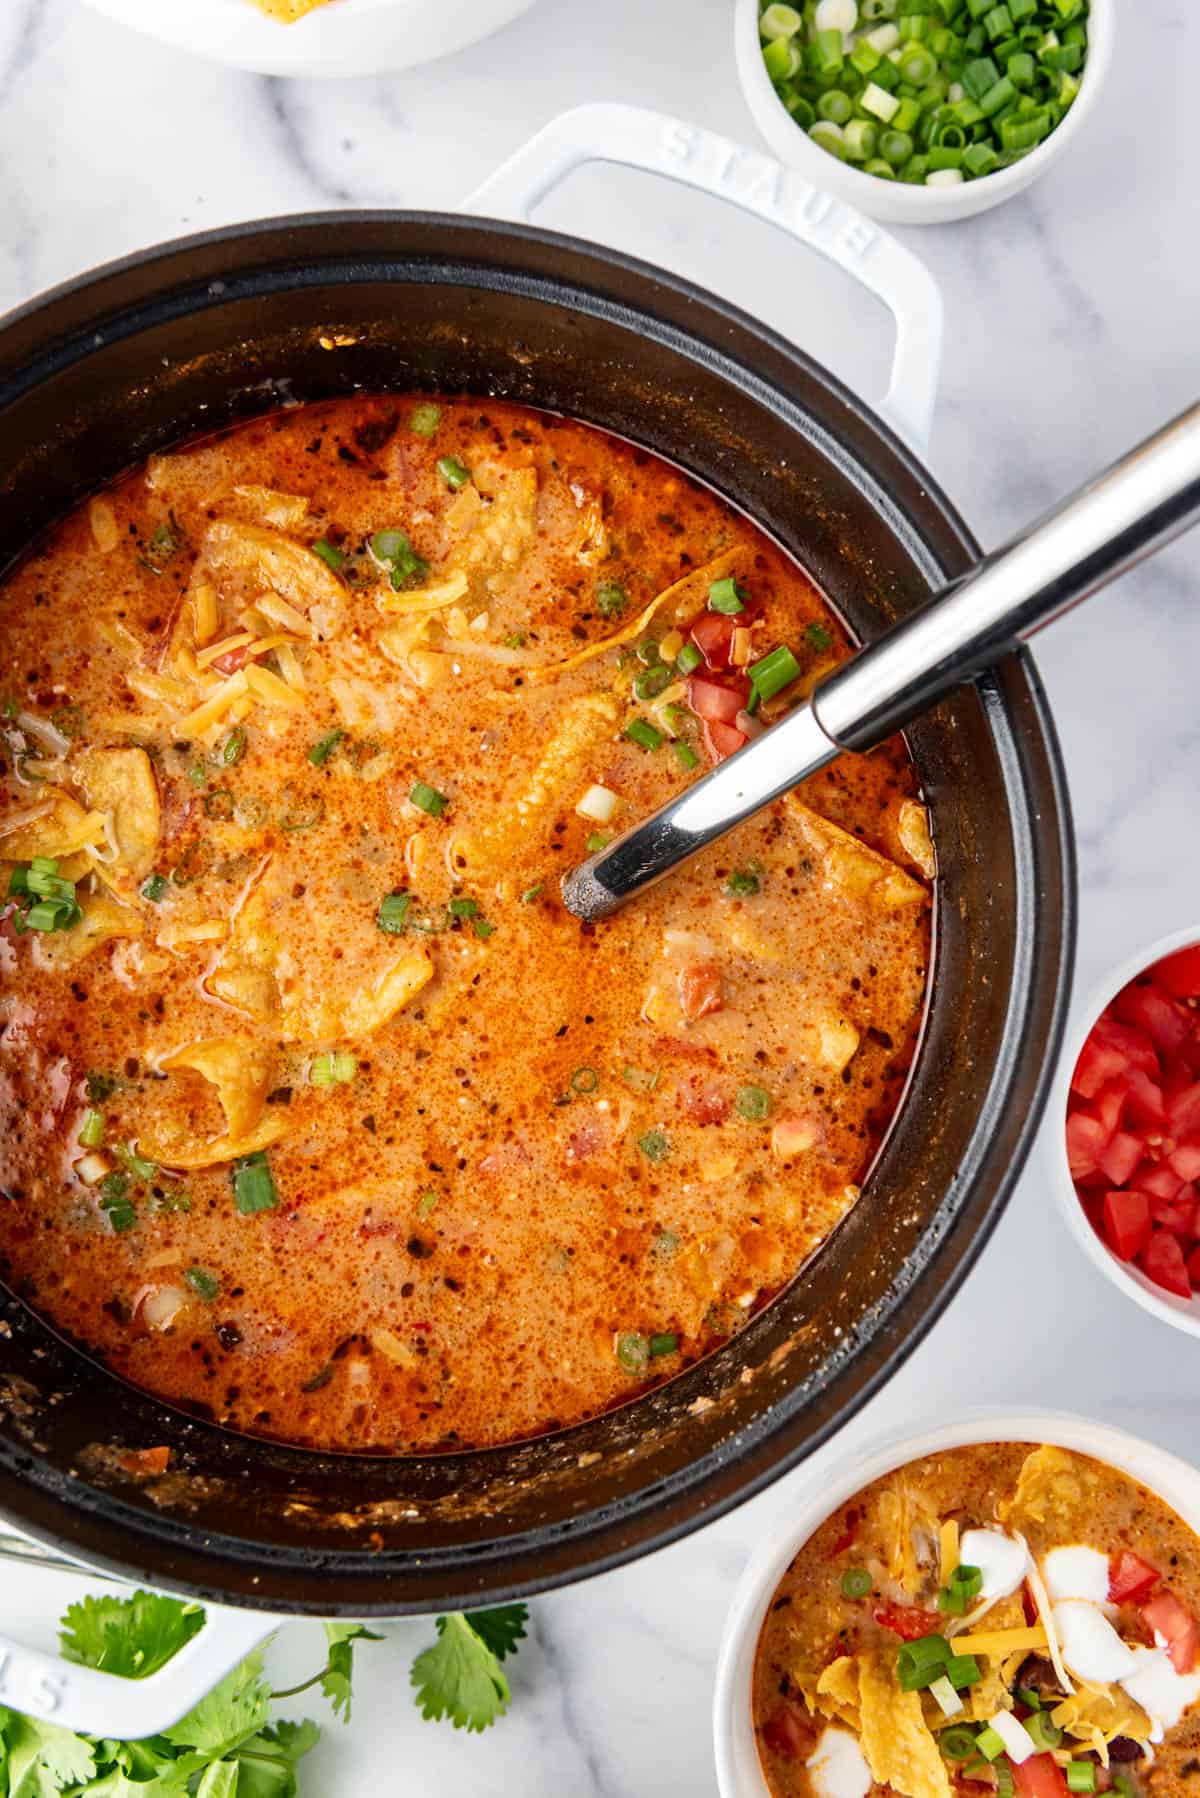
(425, 419)
(300, 812)
(1124, 1785)
(919, 1663)
(952, 1601)
(774, 672)
(648, 653)
(324, 747)
(640, 1080)
(202, 1282)
(392, 915)
(982, 76)
(856, 1582)
(817, 637)
(969, 1581)
(686, 756)
(91, 1130)
(253, 1186)
(753, 1102)
(456, 474)
(665, 1343)
(1004, 1777)
(962, 1670)
(464, 908)
(1081, 1776)
(156, 888)
(838, 108)
(945, 1697)
(531, 893)
(726, 596)
(610, 599)
(332, 556)
(1042, 1732)
(116, 1204)
(633, 1351)
(989, 1742)
(957, 1744)
(597, 840)
(639, 731)
(652, 681)
(483, 929)
(584, 1080)
(234, 747)
(743, 883)
(427, 799)
(688, 659)
(779, 21)
(332, 1069)
(1028, 1697)
(426, 1203)
(138, 1166)
(654, 1144)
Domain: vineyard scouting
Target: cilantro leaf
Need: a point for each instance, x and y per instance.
(336, 1679)
(460, 1677)
(232, 1711)
(502, 1627)
(221, 1780)
(42, 1757)
(130, 1636)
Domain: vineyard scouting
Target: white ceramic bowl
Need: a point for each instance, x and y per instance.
(348, 37)
(1183, 1313)
(834, 1479)
(893, 201)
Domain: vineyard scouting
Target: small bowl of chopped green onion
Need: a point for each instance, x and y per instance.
(918, 111)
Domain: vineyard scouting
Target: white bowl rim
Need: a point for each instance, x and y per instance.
(1172, 1479)
(863, 190)
(1182, 1314)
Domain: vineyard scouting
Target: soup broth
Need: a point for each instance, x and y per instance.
(322, 1117)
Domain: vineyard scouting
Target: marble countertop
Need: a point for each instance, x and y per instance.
(1071, 333)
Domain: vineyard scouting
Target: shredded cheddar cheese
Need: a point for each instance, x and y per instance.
(1002, 1641)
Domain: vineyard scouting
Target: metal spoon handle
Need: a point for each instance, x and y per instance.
(1136, 506)
(1139, 504)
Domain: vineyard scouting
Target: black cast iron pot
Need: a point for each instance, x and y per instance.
(185, 339)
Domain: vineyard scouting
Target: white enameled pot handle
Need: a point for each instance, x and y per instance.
(662, 145)
(106, 1704)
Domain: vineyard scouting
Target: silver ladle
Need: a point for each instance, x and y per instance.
(1143, 501)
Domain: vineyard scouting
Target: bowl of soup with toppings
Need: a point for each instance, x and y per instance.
(1010, 1607)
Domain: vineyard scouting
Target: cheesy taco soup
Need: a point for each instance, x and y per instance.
(1000, 1618)
(321, 1116)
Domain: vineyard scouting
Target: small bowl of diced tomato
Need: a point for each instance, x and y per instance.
(1132, 1133)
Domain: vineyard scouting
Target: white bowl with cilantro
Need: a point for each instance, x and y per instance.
(922, 111)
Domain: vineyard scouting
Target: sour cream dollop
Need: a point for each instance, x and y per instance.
(837, 1766)
(1077, 1572)
(1090, 1645)
(1162, 1693)
(1001, 1560)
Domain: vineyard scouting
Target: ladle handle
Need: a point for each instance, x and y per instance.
(1140, 503)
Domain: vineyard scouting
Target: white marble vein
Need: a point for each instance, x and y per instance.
(1072, 332)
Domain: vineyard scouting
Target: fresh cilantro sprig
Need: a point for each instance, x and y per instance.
(460, 1676)
(228, 1746)
(336, 1675)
